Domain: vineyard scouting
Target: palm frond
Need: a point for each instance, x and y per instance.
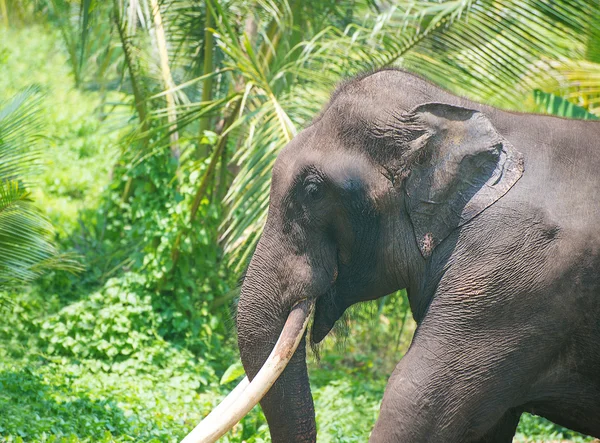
(19, 132)
(575, 80)
(26, 239)
(494, 53)
(553, 104)
(26, 236)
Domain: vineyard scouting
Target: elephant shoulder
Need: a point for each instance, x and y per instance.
(507, 246)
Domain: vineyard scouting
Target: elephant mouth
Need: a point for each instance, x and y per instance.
(327, 312)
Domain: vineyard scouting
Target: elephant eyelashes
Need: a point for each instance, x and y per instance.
(313, 189)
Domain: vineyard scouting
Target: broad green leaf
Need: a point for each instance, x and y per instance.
(552, 104)
(233, 372)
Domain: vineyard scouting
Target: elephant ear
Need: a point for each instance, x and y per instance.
(463, 167)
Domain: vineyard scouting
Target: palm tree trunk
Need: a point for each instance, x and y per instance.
(4, 12)
(167, 78)
(207, 85)
(138, 97)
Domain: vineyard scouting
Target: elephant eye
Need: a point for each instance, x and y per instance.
(314, 191)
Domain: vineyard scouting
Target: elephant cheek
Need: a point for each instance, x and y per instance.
(326, 314)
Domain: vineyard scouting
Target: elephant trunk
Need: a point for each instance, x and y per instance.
(288, 406)
(246, 395)
(276, 302)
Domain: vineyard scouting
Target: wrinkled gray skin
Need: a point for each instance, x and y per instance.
(489, 219)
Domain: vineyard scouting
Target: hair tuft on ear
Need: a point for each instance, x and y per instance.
(397, 140)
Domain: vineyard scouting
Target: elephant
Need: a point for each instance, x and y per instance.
(486, 217)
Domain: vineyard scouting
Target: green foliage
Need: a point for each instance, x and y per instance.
(24, 395)
(26, 242)
(232, 373)
(536, 429)
(347, 400)
(20, 129)
(138, 235)
(113, 335)
(555, 105)
(111, 234)
(107, 325)
(150, 170)
(24, 235)
(92, 392)
(80, 132)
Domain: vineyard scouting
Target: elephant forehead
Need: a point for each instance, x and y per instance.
(307, 149)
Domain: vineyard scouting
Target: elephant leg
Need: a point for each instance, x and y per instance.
(504, 430)
(458, 376)
(430, 398)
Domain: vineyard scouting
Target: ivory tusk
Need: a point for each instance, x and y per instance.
(227, 401)
(243, 398)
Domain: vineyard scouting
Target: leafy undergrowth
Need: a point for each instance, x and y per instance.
(126, 383)
(536, 429)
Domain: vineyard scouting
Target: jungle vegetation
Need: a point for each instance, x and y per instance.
(136, 142)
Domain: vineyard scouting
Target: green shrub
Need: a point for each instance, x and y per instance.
(110, 324)
(31, 407)
(537, 429)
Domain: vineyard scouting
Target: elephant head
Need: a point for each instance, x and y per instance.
(360, 200)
